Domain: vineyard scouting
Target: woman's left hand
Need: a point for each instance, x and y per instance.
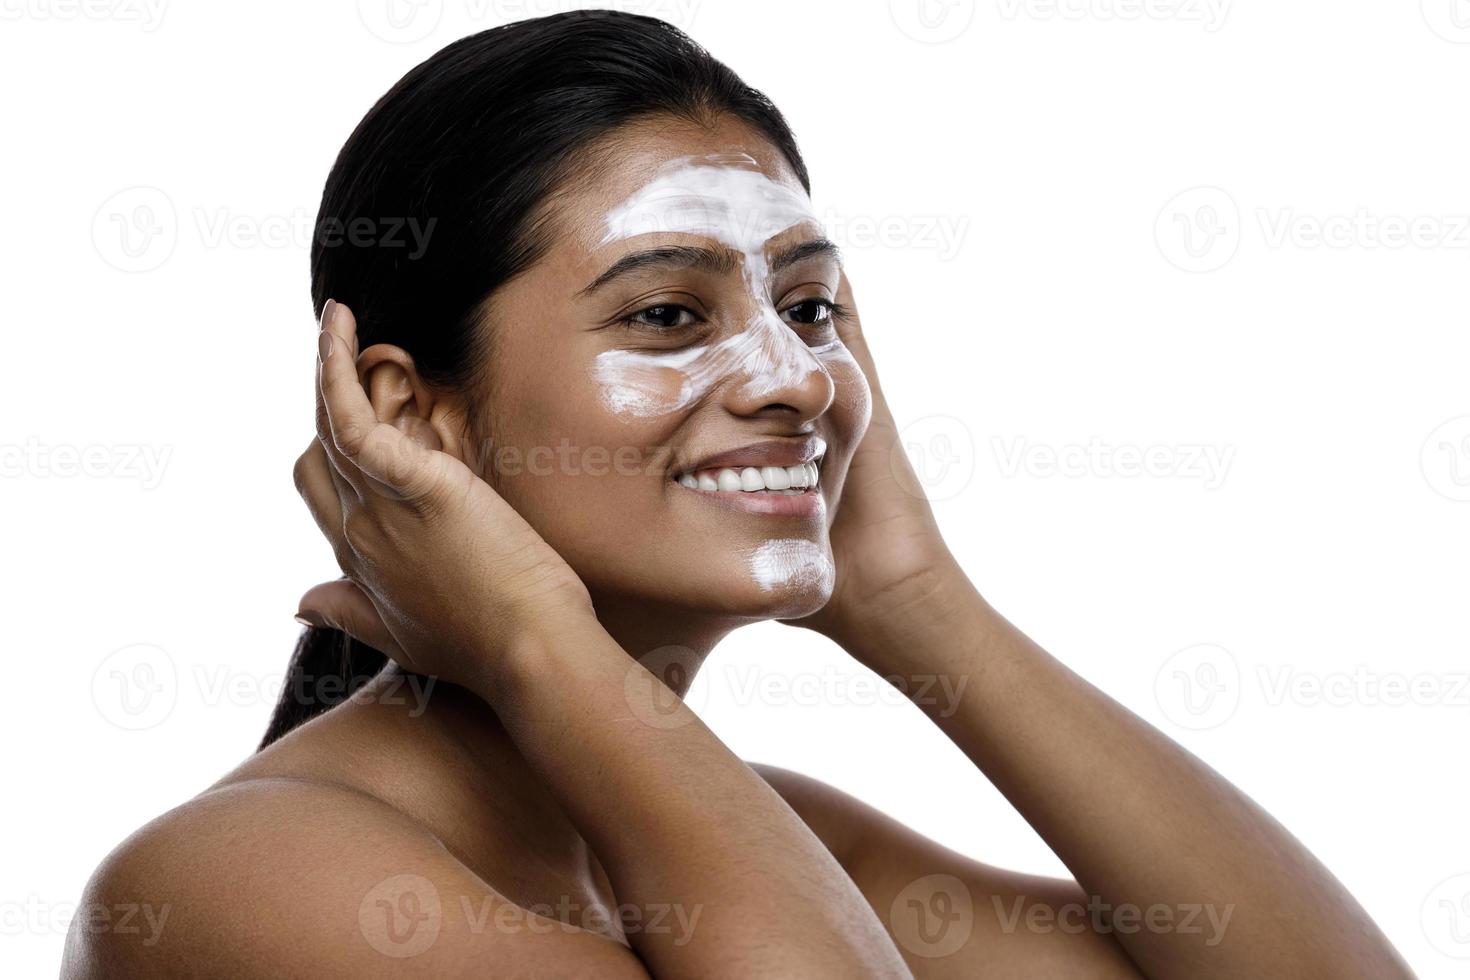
(885, 542)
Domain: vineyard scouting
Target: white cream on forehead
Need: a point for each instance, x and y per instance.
(725, 197)
(785, 563)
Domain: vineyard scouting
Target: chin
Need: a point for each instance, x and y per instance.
(791, 577)
(795, 606)
(782, 577)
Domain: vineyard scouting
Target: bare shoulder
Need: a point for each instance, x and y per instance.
(281, 877)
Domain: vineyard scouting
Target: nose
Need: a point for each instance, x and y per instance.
(778, 376)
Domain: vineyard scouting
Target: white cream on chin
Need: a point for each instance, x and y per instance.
(727, 198)
(792, 563)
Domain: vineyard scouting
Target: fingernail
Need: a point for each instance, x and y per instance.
(327, 308)
(324, 344)
(308, 618)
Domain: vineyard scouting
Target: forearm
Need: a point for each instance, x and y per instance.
(677, 820)
(1140, 822)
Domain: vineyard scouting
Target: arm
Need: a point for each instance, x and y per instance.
(1137, 819)
(1140, 822)
(674, 816)
(468, 591)
(955, 918)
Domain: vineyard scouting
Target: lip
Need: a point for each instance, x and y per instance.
(774, 452)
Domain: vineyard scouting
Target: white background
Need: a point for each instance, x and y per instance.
(1079, 233)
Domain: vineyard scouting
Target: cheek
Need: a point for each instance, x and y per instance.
(852, 403)
(596, 429)
(563, 458)
(636, 385)
(851, 411)
(591, 484)
(588, 456)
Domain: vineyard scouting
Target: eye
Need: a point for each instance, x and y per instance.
(665, 316)
(812, 311)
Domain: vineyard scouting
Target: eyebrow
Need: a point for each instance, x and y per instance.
(722, 260)
(797, 253)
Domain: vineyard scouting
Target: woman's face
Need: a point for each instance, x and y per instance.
(668, 402)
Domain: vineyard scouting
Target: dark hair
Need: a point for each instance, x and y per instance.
(437, 199)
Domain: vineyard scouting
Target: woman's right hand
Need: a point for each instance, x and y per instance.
(458, 579)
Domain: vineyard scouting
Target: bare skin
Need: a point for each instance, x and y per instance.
(567, 815)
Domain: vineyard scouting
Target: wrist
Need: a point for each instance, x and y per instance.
(902, 625)
(532, 643)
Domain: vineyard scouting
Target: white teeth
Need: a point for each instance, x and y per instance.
(775, 478)
(750, 479)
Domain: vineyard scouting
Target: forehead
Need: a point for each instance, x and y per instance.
(674, 176)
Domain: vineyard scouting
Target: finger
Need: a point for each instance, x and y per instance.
(346, 475)
(342, 605)
(324, 491)
(364, 444)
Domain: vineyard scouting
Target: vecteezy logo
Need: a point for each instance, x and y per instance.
(932, 21)
(1445, 459)
(136, 687)
(651, 684)
(933, 916)
(1450, 19)
(401, 916)
(1199, 229)
(400, 21)
(1199, 687)
(1445, 917)
(136, 229)
(940, 451)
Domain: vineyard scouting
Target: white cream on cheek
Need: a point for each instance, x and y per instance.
(724, 197)
(789, 563)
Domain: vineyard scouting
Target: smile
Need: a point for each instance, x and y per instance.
(779, 477)
(786, 480)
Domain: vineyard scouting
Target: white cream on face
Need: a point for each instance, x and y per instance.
(792, 563)
(724, 197)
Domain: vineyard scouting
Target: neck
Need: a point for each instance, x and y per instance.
(672, 644)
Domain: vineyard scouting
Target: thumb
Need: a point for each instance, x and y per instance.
(342, 605)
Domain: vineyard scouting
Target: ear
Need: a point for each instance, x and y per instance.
(430, 416)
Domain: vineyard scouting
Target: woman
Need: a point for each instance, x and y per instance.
(620, 315)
